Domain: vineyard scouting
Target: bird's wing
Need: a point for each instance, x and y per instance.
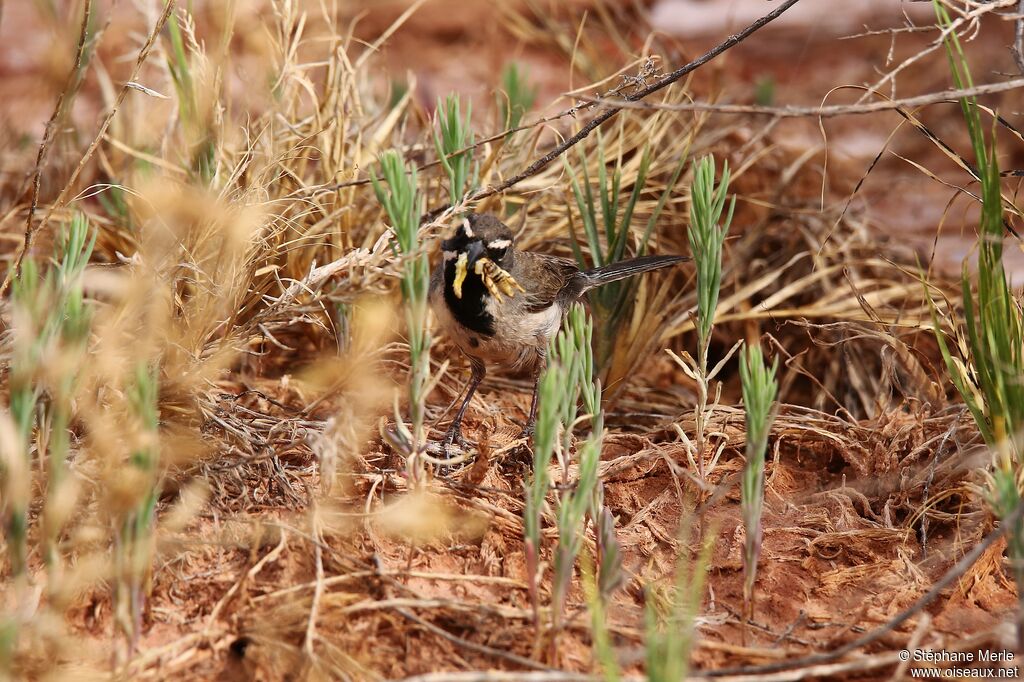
(544, 277)
(437, 281)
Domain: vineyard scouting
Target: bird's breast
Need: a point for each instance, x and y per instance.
(471, 308)
(521, 338)
(506, 333)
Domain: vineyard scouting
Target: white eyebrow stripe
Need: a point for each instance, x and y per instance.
(466, 228)
(499, 244)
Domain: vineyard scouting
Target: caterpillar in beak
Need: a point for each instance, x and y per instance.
(497, 280)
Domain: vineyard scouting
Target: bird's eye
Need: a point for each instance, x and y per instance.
(497, 249)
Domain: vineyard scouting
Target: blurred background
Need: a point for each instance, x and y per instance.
(812, 55)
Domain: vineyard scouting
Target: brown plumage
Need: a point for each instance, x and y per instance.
(513, 332)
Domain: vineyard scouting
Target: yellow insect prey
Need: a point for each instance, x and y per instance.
(496, 279)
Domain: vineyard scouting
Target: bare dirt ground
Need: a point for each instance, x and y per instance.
(869, 500)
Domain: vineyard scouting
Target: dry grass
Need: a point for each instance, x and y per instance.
(241, 254)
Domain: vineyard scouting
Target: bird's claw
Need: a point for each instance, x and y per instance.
(454, 436)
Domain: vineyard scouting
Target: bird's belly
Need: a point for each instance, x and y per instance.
(520, 338)
(521, 341)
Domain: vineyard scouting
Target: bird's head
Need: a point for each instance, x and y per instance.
(480, 235)
(480, 253)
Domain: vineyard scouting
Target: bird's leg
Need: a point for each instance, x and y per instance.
(454, 434)
(531, 421)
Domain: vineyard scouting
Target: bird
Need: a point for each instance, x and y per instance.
(501, 306)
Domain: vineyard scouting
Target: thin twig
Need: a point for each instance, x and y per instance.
(473, 646)
(363, 575)
(972, 17)
(272, 555)
(1018, 38)
(945, 581)
(70, 86)
(318, 589)
(503, 676)
(823, 111)
(663, 82)
(659, 84)
(62, 198)
(573, 111)
(928, 482)
(814, 672)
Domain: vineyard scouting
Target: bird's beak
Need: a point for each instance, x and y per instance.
(473, 252)
(465, 263)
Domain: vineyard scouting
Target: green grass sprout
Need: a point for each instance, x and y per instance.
(515, 98)
(759, 391)
(671, 616)
(136, 545)
(604, 653)
(607, 220)
(567, 380)
(451, 139)
(404, 205)
(989, 379)
(51, 324)
(707, 237)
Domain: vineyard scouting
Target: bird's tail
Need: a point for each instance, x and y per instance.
(613, 272)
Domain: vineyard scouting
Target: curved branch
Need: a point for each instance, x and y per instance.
(608, 113)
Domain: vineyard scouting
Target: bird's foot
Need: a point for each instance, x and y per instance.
(455, 448)
(454, 436)
(527, 432)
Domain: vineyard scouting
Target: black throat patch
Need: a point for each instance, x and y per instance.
(471, 309)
